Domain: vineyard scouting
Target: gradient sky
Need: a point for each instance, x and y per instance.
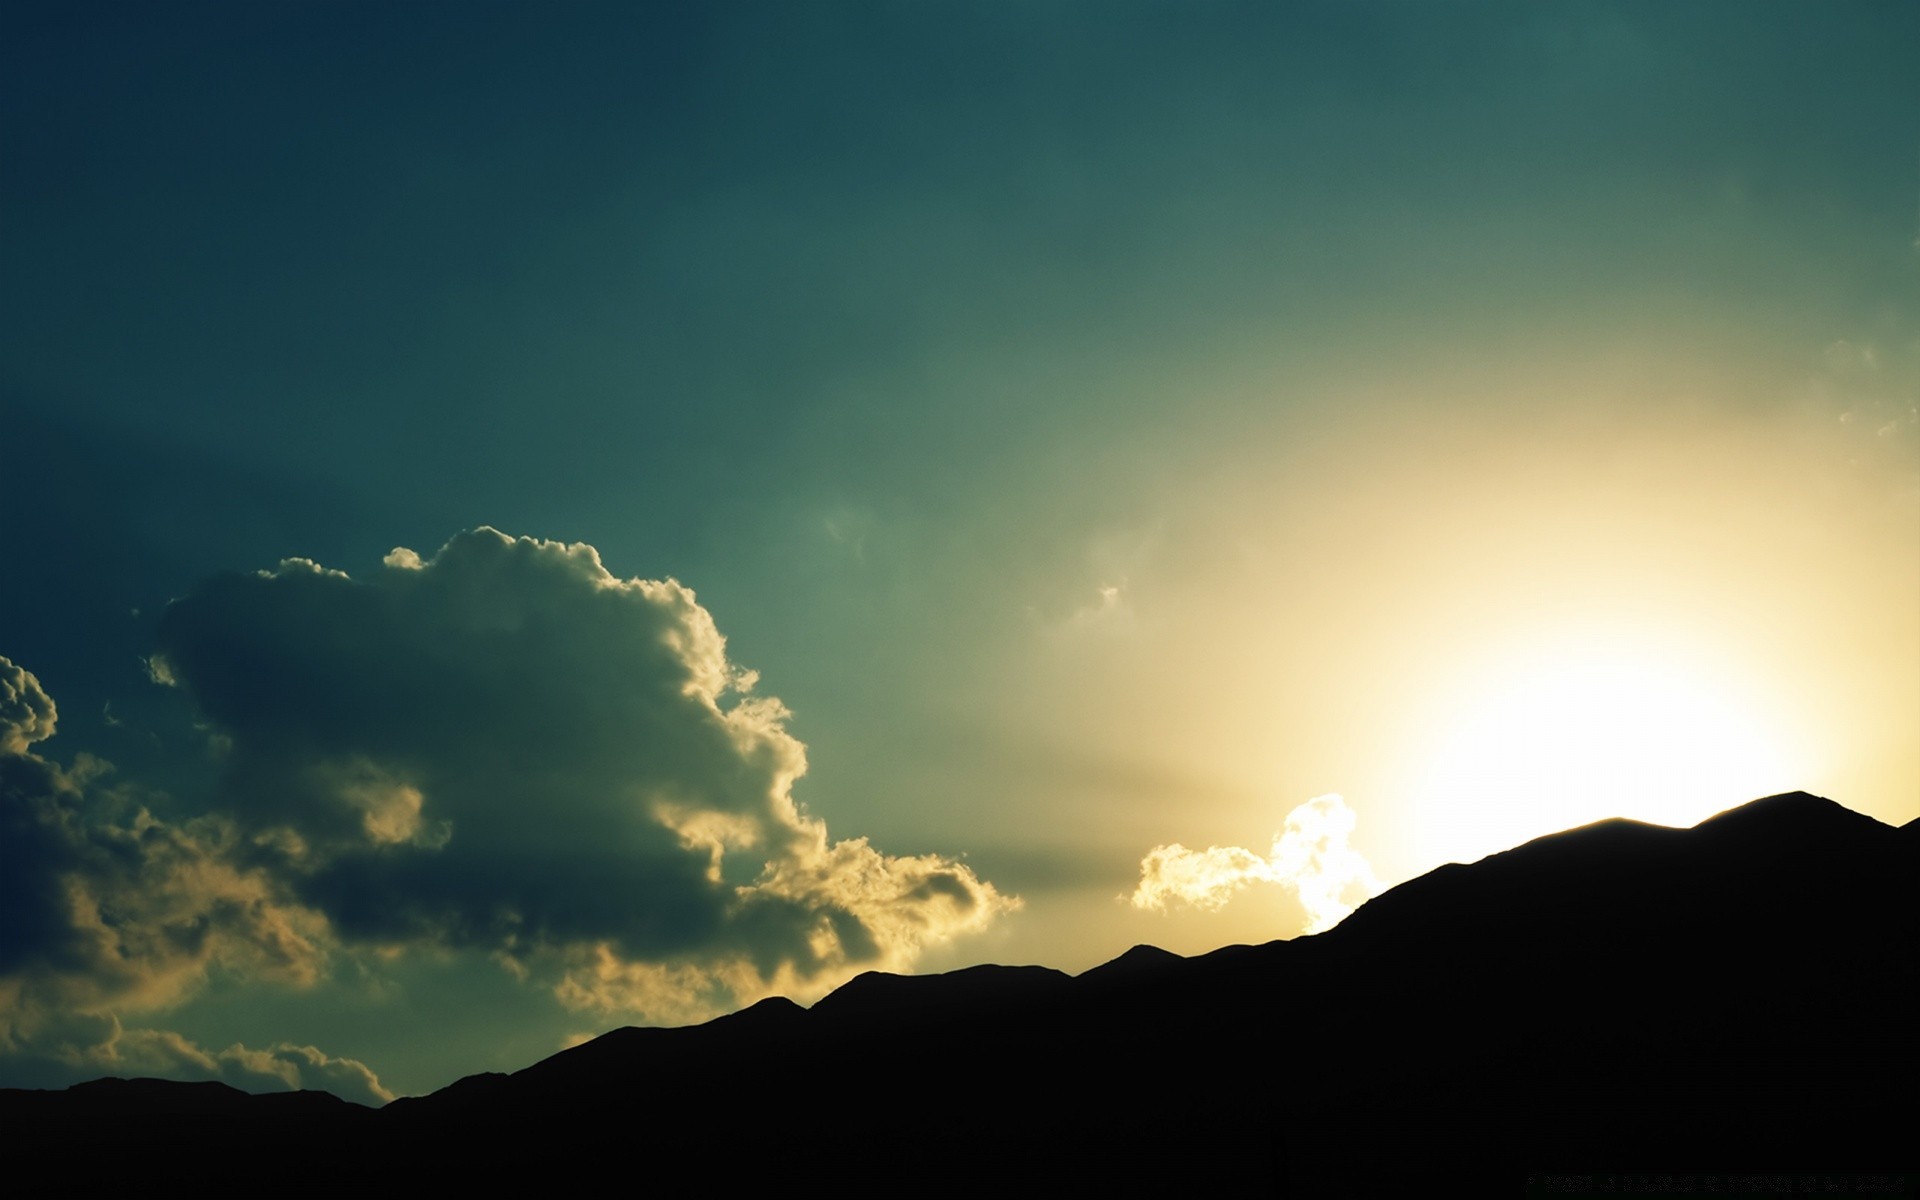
(1222, 457)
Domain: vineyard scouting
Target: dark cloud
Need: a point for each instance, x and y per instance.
(502, 750)
(507, 749)
(106, 909)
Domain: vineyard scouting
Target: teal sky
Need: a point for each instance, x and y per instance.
(1102, 426)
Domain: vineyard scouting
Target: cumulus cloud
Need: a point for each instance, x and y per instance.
(106, 909)
(505, 748)
(1310, 857)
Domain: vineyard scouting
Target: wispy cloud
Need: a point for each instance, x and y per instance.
(283, 1066)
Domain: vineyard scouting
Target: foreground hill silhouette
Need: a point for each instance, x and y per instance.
(1735, 997)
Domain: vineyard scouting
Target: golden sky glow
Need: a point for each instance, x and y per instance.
(1483, 617)
(1574, 728)
(1100, 446)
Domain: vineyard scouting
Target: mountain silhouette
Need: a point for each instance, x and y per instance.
(1618, 998)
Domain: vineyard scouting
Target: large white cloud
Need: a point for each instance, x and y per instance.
(507, 749)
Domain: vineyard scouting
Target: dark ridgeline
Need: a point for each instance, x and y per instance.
(1737, 997)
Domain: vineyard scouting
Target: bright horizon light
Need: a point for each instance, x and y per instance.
(1560, 738)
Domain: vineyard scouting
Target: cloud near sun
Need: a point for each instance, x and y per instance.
(1310, 857)
(501, 749)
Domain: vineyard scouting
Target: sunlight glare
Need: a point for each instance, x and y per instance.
(1561, 740)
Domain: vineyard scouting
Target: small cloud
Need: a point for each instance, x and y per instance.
(1850, 358)
(850, 528)
(1101, 598)
(311, 1068)
(1873, 384)
(80, 1047)
(27, 713)
(1310, 857)
(1107, 611)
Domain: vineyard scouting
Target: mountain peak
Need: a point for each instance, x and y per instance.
(1787, 814)
(1141, 960)
(968, 988)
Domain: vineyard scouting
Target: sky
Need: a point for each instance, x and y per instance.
(527, 519)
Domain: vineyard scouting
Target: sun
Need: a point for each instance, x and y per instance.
(1550, 737)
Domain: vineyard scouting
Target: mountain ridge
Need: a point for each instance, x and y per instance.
(1725, 996)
